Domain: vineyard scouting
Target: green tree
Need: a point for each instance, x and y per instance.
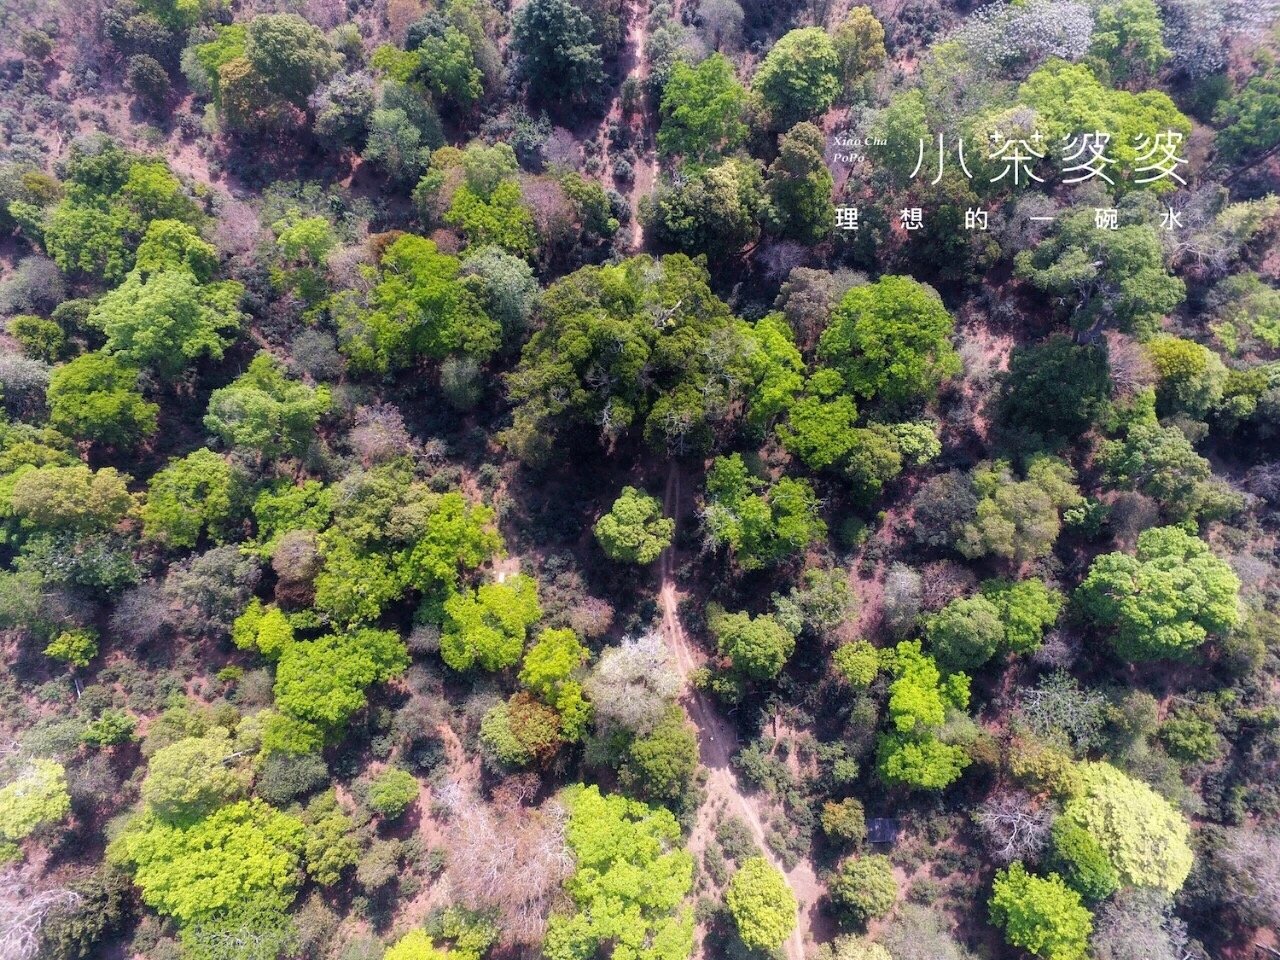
(262, 628)
(919, 700)
(1127, 36)
(486, 628)
(761, 904)
(891, 340)
(844, 822)
(72, 499)
(558, 55)
(189, 779)
(1163, 602)
(242, 857)
(323, 682)
(1160, 462)
(331, 847)
(1026, 608)
(549, 670)
(36, 798)
(1146, 841)
(263, 411)
(858, 662)
(702, 108)
(76, 647)
(758, 647)
(417, 307)
(415, 945)
(1040, 914)
(660, 765)
(190, 496)
(629, 882)
(864, 888)
(1192, 377)
(392, 792)
(800, 185)
(1106, 278)
(290, 55)
(625, 347)
(966, 633)
(1018, 519)
(1083, 862)
(96, 397)
(759, 524)
(634, 530)
(800, 76)
(1053, 393)
(859, 44)
(1249, 119)
(716, 211)
(168, 319)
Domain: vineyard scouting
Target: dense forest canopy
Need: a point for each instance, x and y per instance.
(639, 479)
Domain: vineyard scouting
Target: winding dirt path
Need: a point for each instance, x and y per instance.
(717, 743)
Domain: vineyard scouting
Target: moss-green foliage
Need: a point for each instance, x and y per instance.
(634, 530)
(1145, 839)
(76, 647)
(800, 77)
(192, 777)
(551, 670)
(602, 328)
(629, 883)
(1018, 519)
(760, 524)
(761, 904)
(660, 765)
(242, 857)
(191, 496)
(265, 412)
(1040, 914)
(757, 647)
(392, 792)
(890, 340)
(864, 888)
(1082, 861)
(486, 628)
(1163, 602)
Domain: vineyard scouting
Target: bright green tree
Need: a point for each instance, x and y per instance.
(415, 945)
(486, 628)
(242, 857)
(761, 904)
(629, 882)
(191, 778)
(760, 524)
(167, 320)
(323, 682)
(417, 307)
(36, 798)
(1163, 602)
(1040, 914)
(1146, 841)
(634, 530)
(96, 397)
(72, 498)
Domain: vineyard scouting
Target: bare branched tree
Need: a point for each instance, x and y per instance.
(1013, 826)
(22, 913)
(512, 860)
